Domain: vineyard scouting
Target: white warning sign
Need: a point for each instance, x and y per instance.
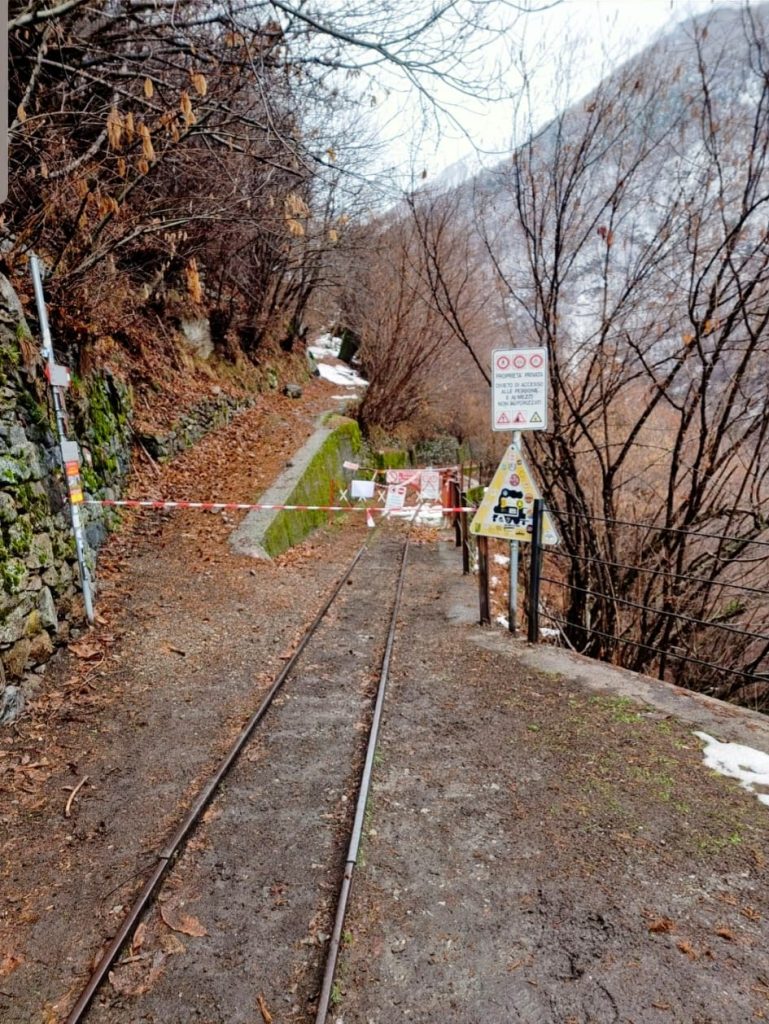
(431, 485)
(396, 496)
(507, 508)
(519, 389)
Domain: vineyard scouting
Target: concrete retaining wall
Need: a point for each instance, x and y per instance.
(264, 534)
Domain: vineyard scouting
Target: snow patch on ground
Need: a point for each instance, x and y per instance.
(750, 767)
(325, 352)
(326, 345)
(341, 375)
(501, 560)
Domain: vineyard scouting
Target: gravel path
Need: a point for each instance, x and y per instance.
(544, 854)
(540, 846)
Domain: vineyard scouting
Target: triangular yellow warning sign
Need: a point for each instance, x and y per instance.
(507, 508)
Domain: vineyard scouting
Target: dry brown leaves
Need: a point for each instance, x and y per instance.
(9, 962)
(136, 975)
(173, 915)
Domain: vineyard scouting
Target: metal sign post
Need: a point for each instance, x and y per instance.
(512, 596)
(58, 378)
(519, 379)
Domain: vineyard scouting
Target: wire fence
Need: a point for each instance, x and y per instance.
(690, 606)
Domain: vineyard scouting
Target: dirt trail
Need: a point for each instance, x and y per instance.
(146, 703)
(544, 854)
(537, 850)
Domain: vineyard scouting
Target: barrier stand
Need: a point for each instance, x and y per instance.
(58, 379)
(536, 571)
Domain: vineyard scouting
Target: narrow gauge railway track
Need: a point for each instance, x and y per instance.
(332, 690)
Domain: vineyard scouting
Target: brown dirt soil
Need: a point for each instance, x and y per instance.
(541, 853)
(535, 851)
(145, 703)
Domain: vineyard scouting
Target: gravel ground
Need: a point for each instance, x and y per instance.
(542, 853)
(540, 846)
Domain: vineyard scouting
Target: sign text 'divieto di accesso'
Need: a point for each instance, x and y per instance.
(519, 389)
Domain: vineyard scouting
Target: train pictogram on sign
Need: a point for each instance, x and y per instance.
(507, 508)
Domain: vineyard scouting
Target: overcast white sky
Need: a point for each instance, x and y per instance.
(596, 35)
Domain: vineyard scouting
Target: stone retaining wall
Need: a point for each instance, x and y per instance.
(195, 423)
(38, 567)
(40, 598)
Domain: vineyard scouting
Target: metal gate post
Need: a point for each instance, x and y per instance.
(455, 503)
(512, 591)
(465, 534)
(536, 571)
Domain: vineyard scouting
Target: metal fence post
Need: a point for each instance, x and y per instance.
(512, 590)
(483, 580)
(58, 405)
(455, 503)
(465, 534)
(536, 571)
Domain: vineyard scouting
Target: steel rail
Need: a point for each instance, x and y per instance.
(332, 952)
(174, 845)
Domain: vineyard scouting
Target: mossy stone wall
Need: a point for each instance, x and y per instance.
(40, 599)
(391, 458)
(289, 528)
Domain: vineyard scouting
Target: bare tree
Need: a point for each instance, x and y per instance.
(640, 260)
(154, 140)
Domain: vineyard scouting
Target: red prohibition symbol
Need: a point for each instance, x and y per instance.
(536, 360)
(519, 362)
(502, 362)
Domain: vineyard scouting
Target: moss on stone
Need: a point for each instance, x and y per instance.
(35, 410)
(89, 478)
(289, 528)
(9, 353)
(31, 499)
(13, 573)
(20, 537)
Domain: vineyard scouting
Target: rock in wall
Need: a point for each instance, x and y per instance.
(40, 600)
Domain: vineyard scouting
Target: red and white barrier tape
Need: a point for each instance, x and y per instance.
(233, 506)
